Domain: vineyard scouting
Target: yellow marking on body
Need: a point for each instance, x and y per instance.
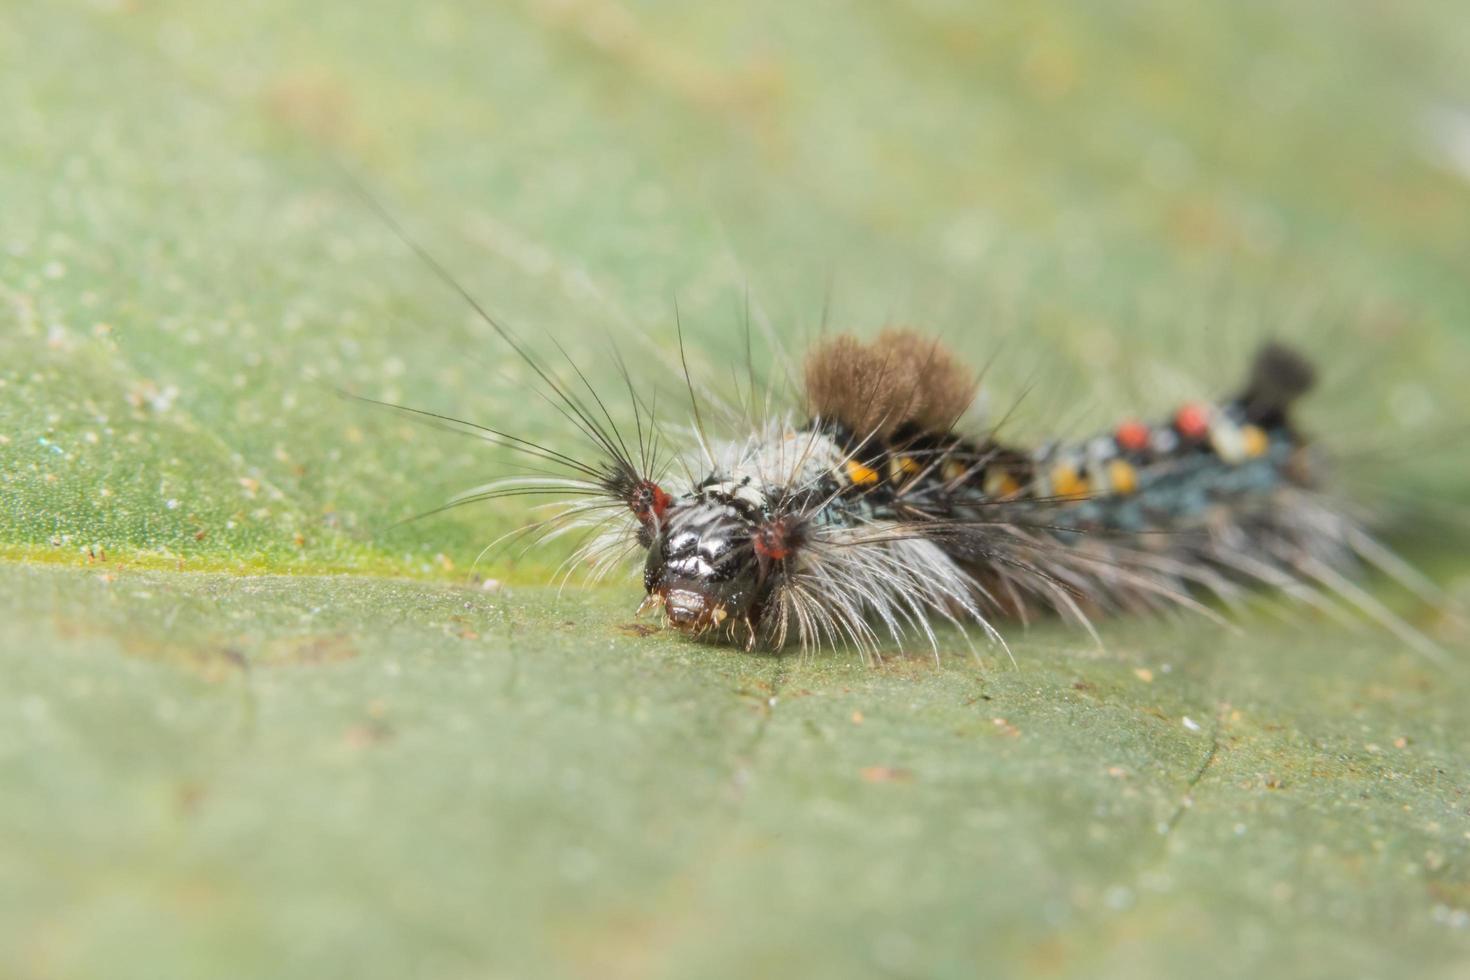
(1000, 484)
(1256, 441)
(1122, 477)
(860, 475)
(1067, 483)
(900, 467)
(954, 470)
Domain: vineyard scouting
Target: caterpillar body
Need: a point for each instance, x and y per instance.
(867, 516)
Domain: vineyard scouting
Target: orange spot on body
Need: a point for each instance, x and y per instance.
(1122, 477)
(1132, 436)
(1000, 484)
(900, 467)
(1067, 483)
(1256, 441)
(861, 475)
(1192, 421)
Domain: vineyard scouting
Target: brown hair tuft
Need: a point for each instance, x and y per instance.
(874, 388)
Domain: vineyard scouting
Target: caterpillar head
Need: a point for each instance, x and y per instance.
(713, 562)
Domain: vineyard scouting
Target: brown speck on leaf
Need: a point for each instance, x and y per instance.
(367, 734)
(885, 774)
(313, 103)
(235, 658)
(749, 91)
(1117, 772)
(1006, 728)
(200, 534)
(1401, 742)
(638, 629)
(460, 627)
(188, 796)
(857, 717)
(309, 650)
(1144, 674)
(757, 690)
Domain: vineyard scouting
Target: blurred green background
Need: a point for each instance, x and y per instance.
(252, 729)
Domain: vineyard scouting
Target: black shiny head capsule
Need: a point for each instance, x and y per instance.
(710, 563)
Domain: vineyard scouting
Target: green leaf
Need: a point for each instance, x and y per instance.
(253, 728)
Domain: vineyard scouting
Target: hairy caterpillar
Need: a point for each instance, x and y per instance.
(866, 515)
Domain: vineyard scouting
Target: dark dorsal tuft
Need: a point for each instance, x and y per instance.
(1279, 376)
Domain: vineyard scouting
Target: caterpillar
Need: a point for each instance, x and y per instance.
(867, 516)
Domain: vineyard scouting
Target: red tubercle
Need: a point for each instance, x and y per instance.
(649, 502)
(661, 500)
(771, 541)
(1132, 436)
(1192, 421)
